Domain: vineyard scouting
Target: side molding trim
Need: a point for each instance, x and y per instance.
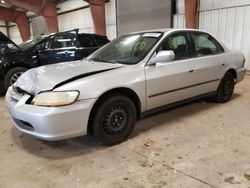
(178, 89)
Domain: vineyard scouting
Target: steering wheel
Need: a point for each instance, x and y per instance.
(138, 47)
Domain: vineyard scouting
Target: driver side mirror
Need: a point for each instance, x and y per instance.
(163, 56)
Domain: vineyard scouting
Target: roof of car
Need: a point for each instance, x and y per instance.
(164, 30)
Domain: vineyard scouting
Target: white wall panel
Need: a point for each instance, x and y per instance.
(229, 25)
(69, 5)
(179, 21)
(212, 4)
(216, 4)
(245, 36)
(215, 21)
(15, 34)
(3, 30)
(238, 28)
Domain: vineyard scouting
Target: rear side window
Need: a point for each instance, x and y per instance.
(178, 43)
(205, 45)
(101, 40)
(84, 41)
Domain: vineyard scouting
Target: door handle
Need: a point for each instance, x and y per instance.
(223, 64)
(190, 71)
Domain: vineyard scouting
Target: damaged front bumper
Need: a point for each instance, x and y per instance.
(48, 123)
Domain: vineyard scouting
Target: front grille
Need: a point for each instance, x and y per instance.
(23, 124)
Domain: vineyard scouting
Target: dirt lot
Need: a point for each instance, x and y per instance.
(201, 144)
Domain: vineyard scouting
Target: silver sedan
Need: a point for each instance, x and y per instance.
(131, 77)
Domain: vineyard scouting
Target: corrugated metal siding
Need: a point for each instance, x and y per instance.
(230, 25)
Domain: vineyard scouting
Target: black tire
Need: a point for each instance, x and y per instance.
(12, 74)
(113, 120)
(226, 88)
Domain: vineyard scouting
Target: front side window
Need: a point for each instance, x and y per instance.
(129, 49)
(205, 44)
(178, 44)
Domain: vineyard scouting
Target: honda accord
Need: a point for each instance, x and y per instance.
(133, 76)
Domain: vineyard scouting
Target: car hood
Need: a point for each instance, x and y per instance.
(5, 39)
(49, 77)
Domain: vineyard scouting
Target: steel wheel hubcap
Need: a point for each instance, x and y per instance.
(115, 120)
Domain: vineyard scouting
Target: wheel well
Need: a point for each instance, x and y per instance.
(122, 91)
(233, 72)
(16, 65)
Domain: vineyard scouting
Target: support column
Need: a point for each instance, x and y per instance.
(19, 18)
(7, 28)
(46, 8)
(23, 26)
(191, 13)
(97, 8)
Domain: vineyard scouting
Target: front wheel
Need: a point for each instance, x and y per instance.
(114, 120)
(226, 88)
(12, 75)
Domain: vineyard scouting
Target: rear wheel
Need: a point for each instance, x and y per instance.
(12, 76)
(226, 88)
(114, 120)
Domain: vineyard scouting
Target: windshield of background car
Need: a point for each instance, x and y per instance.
(128, 49)
(30, 43)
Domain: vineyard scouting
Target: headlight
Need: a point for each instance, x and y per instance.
(55, 98)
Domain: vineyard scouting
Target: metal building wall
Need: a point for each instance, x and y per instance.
(230, 25)
(143, 15)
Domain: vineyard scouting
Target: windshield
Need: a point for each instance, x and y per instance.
(128, 49)
(30, 43)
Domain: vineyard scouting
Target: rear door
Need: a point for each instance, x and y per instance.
(59, 48)
(210, 61)
(85, 46)
(172, 81)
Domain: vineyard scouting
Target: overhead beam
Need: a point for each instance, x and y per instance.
(46, 8)
(191, 13)
(19, 18)
(97, 9)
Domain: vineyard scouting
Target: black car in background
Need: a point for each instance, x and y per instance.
(44, 50)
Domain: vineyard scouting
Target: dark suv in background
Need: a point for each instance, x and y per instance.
(44, 50)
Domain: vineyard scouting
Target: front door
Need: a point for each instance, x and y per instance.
(58, 48)
(175, 80)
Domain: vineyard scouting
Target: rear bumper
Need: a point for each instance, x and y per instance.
(240, 74)
(49, 123)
